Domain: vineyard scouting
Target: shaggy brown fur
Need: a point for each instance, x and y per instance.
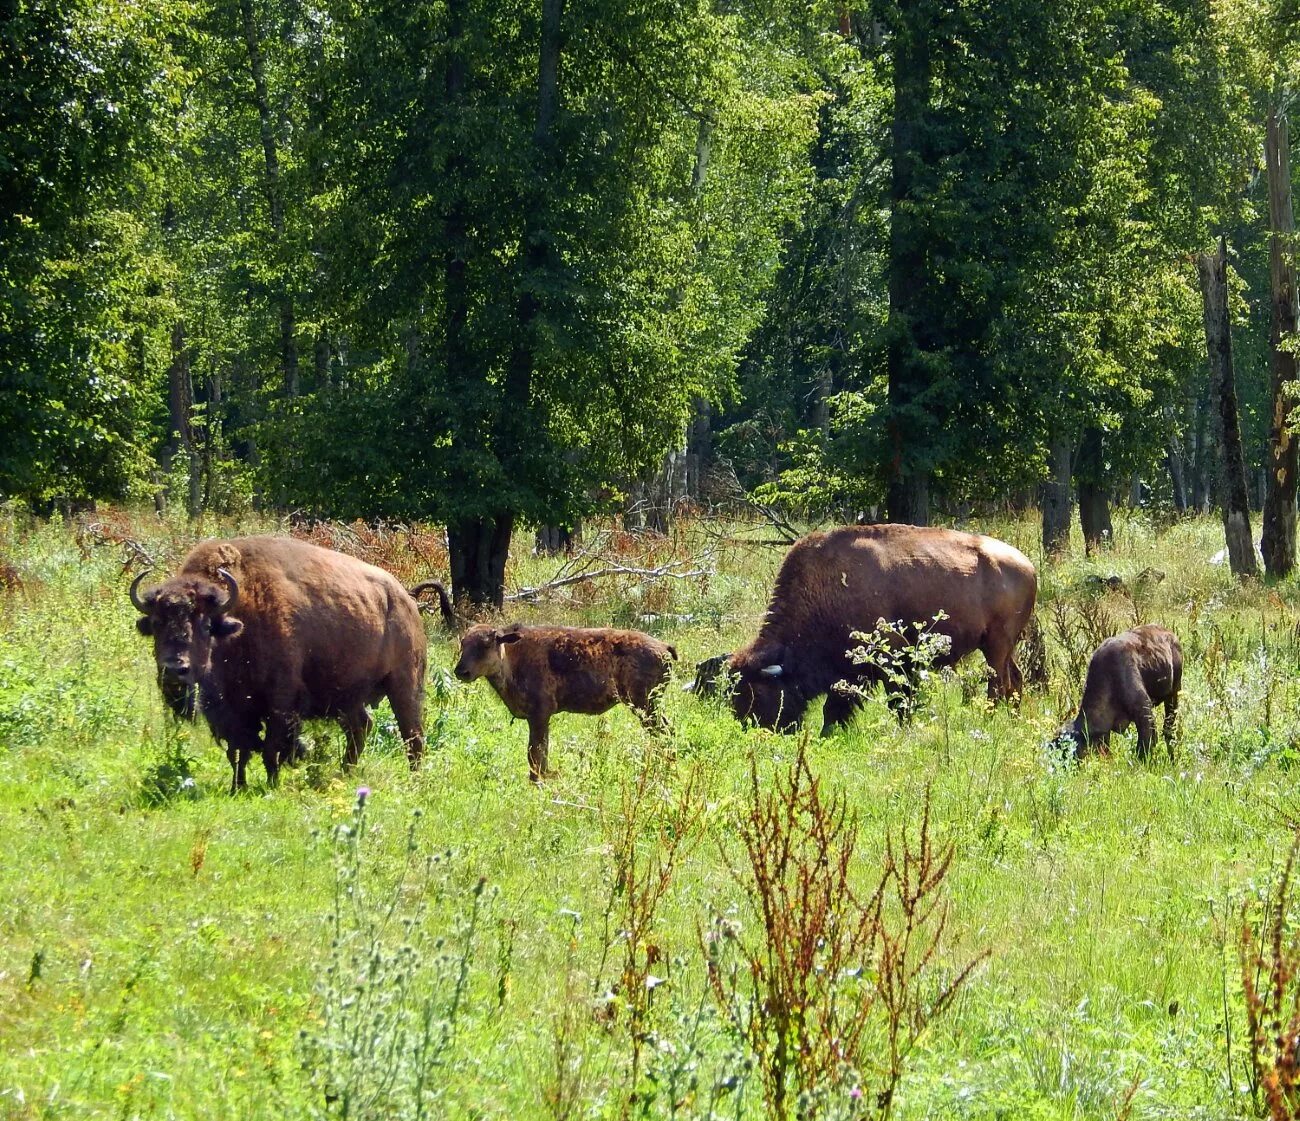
(294, 632)
(831, 584)
(1127, 676)
(539, 671)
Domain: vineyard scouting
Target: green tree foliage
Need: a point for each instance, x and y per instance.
(84, 88)
(533, 303)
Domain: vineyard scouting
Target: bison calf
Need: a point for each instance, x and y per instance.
(1127, 676)
(539, 671)
(711, 676)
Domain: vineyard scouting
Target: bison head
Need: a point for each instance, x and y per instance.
(480, 652)
(711, 676)
(1074, 739)
(184, 616)
(765, 692)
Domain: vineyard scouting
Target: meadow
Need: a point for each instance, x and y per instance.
(458, 943)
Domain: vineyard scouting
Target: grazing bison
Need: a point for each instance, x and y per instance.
(273, 631)
(1127, 676)
(539, 671)
(831, 584)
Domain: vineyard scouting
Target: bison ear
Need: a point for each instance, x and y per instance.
(507, 637)
(144, 625)
(225, 627)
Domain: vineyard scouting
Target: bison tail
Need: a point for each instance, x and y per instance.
(444, 601)
(672, 651)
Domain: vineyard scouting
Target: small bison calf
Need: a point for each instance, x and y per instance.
(710, 676)
(1127, 676)
(539, 671)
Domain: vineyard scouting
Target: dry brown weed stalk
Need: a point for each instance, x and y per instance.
(835, 987)
(651, 834)
(1270, 976)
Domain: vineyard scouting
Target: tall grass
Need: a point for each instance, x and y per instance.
(169, 951)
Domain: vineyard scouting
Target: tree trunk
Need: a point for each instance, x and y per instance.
(699, 448)
(1177, 479)
(478, 549)
(908, 492)
(180, 400)
(212, 439)
(674, 481)
(1094, 497)
(1056, 499)
(552, 540)
(274, 199)
(1204, 465)
(1279, 533)
(1233, 497)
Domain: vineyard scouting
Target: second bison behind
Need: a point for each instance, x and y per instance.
(833, 584)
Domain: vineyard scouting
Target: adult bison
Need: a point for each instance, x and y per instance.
(832, 584)
(273, 631)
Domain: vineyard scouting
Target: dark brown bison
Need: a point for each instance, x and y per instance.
(1127, 676)
(539, 671)
(273, 631)
(832, 584)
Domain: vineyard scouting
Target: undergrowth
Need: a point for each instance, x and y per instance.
(928, 919)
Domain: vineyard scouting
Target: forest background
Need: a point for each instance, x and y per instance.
(510, 265)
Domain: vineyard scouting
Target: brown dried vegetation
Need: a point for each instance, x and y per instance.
(1269, 952)
(835, 986)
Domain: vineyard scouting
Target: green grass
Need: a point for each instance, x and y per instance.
(165, 949)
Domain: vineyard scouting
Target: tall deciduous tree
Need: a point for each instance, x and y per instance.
(1233, 499)
(1279, 537)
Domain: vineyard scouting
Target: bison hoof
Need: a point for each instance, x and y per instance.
(534, 776)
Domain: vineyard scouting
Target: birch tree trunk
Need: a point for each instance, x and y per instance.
(1279, 532)
(1234, 499)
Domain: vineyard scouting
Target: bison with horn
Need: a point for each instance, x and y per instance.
(833, 584)
(272, 631)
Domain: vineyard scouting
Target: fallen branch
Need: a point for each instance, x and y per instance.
(665, 570)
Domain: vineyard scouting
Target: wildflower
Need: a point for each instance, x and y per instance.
(856, 1093)
(363, 792)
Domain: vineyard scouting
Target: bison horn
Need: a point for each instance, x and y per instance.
(232, 587)
(136, 602)
(772, 671)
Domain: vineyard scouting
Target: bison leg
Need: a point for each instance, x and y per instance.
(539, 735)
(409, 710)
(356, 726)
(648, 712)
(1145, 720)
(281, 743)
(1006, 680)
(239, 758)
